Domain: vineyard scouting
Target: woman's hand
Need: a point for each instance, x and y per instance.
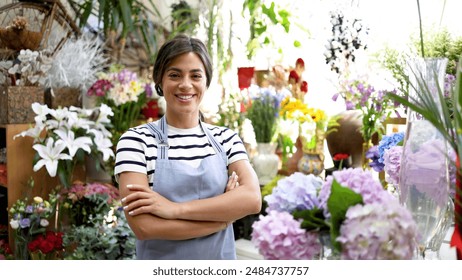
(143, 200)
(233, 182)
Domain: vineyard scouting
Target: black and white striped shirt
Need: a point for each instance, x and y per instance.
(137, 148)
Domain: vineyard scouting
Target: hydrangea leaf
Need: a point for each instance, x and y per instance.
(340, 199)
(313, 219)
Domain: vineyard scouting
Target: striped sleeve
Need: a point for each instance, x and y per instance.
(231, 142)
(136, 152)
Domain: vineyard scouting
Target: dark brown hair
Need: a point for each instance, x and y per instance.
(179, 45)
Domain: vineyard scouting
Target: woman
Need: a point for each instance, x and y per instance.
(184, 182)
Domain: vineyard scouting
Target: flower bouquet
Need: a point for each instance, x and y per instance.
(29, 219)
(263, 113)
(349, 214)
(63, 136)
(84, 201)
(311, 123)
(46, 246)
(125, 94)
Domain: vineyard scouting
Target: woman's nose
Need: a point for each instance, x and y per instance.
(185, 83)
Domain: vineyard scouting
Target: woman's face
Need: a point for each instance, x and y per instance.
(184, 83)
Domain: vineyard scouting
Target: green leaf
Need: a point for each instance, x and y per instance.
(340, 199)
(313, 219)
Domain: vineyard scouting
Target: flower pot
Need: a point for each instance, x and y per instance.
(16, 103)
(311, 163)
(245, 76)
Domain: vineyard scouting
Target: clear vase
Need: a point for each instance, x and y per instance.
(424, 178)
(266, 162)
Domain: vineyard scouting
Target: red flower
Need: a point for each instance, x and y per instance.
(340, 156)
(47, 243)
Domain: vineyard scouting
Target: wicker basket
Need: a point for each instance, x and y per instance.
(19, 39)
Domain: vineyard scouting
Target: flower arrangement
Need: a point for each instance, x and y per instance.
(30, 219)
(330, 213)
(375, 105)
(70, 133)
(263, 113)
(123, 92)
(377, 153)
(47, 246)
(311, 123)
(106, 236)
(83, 201)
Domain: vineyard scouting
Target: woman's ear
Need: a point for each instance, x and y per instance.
(159, 90)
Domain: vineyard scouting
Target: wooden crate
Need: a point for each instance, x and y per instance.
(63, 97)
(16, 103)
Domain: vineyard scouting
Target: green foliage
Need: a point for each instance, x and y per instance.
(340, 199)
(312, 220)
(263, 115)
(101, 239)
(441, 43)
(184, 19)
(122, 17)
(262, 16)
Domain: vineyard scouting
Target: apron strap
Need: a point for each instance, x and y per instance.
(161, 138)
(216, 146)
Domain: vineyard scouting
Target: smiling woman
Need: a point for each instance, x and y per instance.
(180, 178)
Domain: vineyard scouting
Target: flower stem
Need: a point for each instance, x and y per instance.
(421, 30)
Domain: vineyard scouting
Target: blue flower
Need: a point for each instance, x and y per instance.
(389, 141)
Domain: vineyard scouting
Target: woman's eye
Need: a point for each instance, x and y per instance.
(173, 75)
(197, 77)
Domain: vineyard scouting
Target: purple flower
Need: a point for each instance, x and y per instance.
(24, 223)
(392, 164)
(335, 96)
(29, 209)
(278, 236)
(360, 181)
(378, 232)
(296, 192)
(373, 155)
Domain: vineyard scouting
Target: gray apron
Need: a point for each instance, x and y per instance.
(180, 182)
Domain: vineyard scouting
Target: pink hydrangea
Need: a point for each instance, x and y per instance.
(278, 236)
(378, 232)
(360, 181)
(392, 162)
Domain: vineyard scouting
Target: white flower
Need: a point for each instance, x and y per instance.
(104, 144)
(33, 132)
(74, 144)
(14, 224)
(38, 199)
(41, 111)
(50, 155)
(44, 223)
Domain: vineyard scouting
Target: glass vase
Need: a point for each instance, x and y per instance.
(424, 178)
(266, 162)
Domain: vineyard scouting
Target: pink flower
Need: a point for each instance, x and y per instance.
(278, 236)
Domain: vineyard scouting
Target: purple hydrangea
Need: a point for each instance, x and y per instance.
(360, 181)
(278, 236)
(392, 162)
(378, 232)
(373, 155)
(296, 192)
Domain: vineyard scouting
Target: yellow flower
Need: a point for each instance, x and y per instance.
(38, 199)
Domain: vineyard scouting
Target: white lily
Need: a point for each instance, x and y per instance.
(41, 111)
(33, 132)
(104, 144)
(72, 143)
(50, 155)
